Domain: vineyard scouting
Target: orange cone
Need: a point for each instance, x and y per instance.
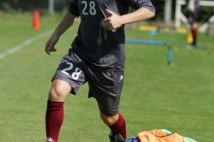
(36, 20)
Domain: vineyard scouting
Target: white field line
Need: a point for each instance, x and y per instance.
(23, 44)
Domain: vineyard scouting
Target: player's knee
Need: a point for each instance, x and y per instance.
(55, 94)
(109, 119)
(59, 90)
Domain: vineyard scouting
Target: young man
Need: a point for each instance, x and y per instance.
(193, 11)
(96, 57)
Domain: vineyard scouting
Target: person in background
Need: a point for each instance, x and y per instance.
(96, 56)
(193, 13)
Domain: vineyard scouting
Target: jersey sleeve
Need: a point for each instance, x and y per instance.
(136, 4)
(73, 8)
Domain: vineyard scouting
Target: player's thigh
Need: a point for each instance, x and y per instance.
(71, 72)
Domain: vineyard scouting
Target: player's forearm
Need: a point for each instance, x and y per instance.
(138, 15)
(66, 22)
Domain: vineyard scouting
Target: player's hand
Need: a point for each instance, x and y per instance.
(114, 21)
(49, 46)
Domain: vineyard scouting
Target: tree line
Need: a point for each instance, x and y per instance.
(60, 5)
(30, 5)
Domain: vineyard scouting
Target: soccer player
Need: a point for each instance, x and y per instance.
(193, 11)
(97, 57)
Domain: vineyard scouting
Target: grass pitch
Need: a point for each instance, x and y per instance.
(155, 95)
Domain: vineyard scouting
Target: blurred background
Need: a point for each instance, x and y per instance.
(166, 85)
(166, 9)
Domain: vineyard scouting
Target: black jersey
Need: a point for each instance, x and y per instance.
(95, 43)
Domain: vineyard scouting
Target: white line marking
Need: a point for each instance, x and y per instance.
(23, 44)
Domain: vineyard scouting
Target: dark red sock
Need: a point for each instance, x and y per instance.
(119, 126)
(54, 119)
(194, 34)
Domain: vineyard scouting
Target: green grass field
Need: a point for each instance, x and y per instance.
(155, 95)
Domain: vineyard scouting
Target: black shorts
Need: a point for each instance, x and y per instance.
(105, 84)
(192, 17)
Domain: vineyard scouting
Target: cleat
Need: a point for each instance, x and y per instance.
(115, 137)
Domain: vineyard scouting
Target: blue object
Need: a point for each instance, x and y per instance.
(154, 42)
(151, 42)
(153, 32)
(132, 139)
(169, 55)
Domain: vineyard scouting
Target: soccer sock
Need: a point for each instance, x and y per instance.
(119, 126)
(194, 35)
(54, 120)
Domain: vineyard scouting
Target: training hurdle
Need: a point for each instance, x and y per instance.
(154, 42)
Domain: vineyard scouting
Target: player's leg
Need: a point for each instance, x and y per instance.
(190, 21)
(55, 108)
(117, 125)
(106, 87)
(194, 28)
(67, 79)
(195, 25)
(59, 90)
(194, 31)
